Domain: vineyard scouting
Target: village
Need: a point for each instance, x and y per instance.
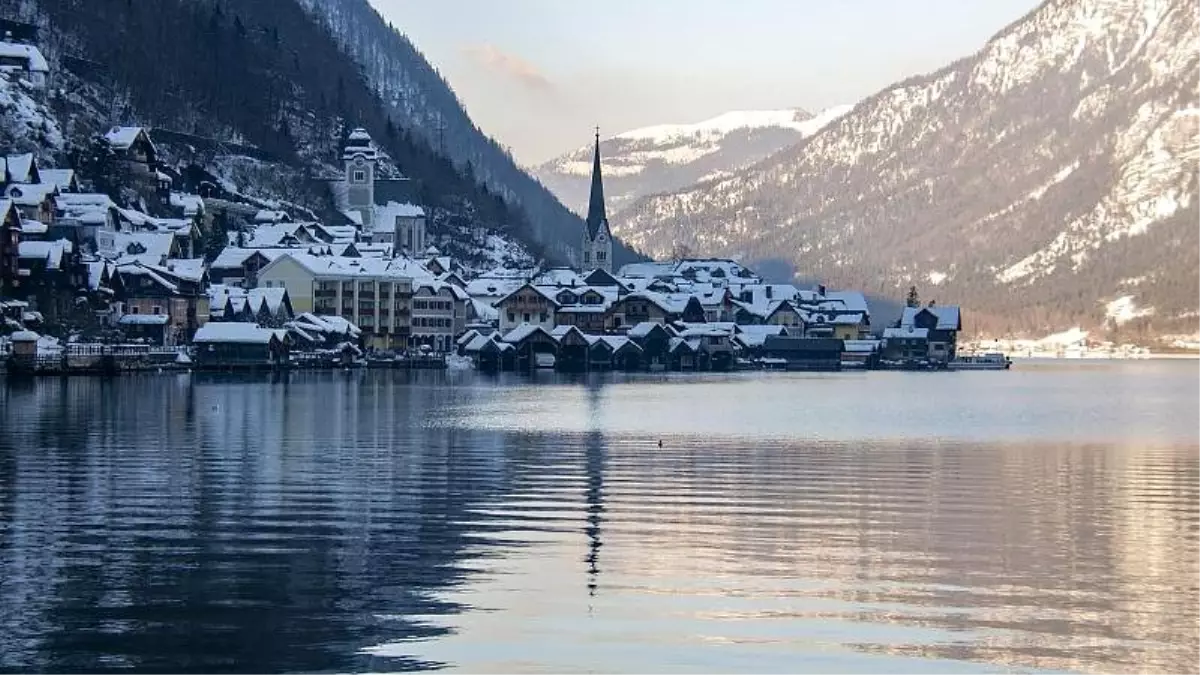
(185, 270)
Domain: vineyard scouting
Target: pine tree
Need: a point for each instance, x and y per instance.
(914, 300)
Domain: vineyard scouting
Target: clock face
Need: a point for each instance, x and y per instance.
(359, 161)
(600, 238)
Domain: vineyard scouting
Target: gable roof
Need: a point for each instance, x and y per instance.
(31, 54)
(540, 291)
(22, 168)
(63, 178)
(122, 138)
(948, 316)
(235, 332)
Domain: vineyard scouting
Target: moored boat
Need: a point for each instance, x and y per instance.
(989, 361)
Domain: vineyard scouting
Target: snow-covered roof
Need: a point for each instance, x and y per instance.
(522, 332)
(386, 214)
(268, 216)
(20, 167)
(353, 216)
(860, 346)
(29, 53)
(144, 320)
(6, 206)
(643, 329)
(908, 332)
(233, 332)
(191, 204)
(123, 137)
(50, 251)
(851, 300)
(359, 143)
(31, 195)
(232, 257)
(948, 316)
(63, 178)
(544, 292)
(34, 227)
(559, 276)
(151, 248)
(321, 323)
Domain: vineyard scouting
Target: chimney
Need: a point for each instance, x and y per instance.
(821, 290)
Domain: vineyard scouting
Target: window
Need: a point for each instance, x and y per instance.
(134, 309)
(587, 257)
(600, 256)
(360, 176)
(543, 317)
(512, 318)
(157, 309)
(526, 317)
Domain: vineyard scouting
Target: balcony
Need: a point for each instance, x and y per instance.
(324, 294)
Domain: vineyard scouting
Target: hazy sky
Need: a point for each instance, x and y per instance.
(538, 75)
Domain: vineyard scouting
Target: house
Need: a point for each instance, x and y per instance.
(373, 293)
(615, 352)
(137, 157)
(715, 345)
(268, 307)
(636, 308)
(584, 307)
(10, 240)
(527, 305)
(863, 354)
(943, 323)
(801, 353)
(573, 347)
(750, 340)
(439, 314)
(20, 169)
(51, 272)
(236, 266)
(25, 60)
(148, 328)
(222, 344)
(82, 216)
(402, 225)
(36, 201)
(64, 179)
(178, 291)
(684, 354)
(905, 344)
(310, 331)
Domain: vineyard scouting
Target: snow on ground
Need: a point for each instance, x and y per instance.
(1124, 309)
(738, 119)
(936, 278)
(1068, 337)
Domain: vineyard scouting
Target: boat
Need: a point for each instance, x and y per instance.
(989, 361)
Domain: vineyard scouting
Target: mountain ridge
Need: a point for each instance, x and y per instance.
(1047, 166)
(662, 157)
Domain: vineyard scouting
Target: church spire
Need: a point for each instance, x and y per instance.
(595, 214)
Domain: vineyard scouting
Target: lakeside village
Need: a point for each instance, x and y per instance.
(88, 284)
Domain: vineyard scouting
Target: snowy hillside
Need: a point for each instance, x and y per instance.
(1045, 182)
(670, 156)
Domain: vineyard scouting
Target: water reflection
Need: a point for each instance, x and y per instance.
(384, 521)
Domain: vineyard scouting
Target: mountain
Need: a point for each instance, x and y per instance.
(417, 97)
(672, 156)
(268, 92)
(1047, 181)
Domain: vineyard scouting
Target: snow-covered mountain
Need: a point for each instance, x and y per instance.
(671, 156)
(1047, 181)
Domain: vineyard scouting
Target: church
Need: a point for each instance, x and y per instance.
(384, 209)
(597, 239)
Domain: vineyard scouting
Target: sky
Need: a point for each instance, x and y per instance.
(539, 75)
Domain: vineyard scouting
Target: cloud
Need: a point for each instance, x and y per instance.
(492, 58)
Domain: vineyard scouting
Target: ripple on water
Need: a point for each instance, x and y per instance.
(387, 521)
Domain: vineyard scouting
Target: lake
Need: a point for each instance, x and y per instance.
(1041, 519)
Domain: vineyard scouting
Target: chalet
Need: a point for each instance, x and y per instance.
(905, 344)
(804, 353)
(132, 144)
(10, 239)
(751, 339)
(636, 308)
(51, 272)
(527, 305)
(178, 293)
(240, 266)
(583, 307)
(943, 324)
(715, 348)
(25, 60)
(63, 179)
(221, 345)
(82, 216)
(36, 201)
(20, 169)
(684, 354)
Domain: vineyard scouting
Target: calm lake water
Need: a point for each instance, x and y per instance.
(1040, 519)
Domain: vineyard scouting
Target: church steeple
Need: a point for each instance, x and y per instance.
(595, 214)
